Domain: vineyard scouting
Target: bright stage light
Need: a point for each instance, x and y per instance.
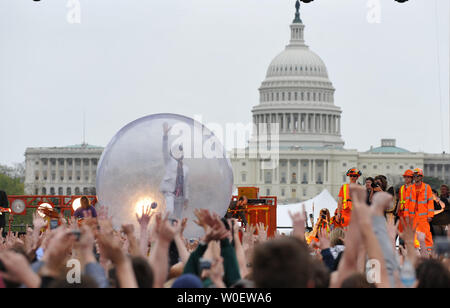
(42, 206)
(76, 204)
(142, 204)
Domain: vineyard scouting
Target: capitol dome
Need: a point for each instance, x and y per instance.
(297, 62)
(298, 97)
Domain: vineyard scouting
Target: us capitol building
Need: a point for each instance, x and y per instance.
(297, 96)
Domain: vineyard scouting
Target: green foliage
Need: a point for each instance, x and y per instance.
(435, 183)
(12, 186)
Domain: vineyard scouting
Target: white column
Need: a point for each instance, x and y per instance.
(57, 174)
(288, 177)
(310, 172)
(73, 171)
(314, 171)
(65, 171)
(82, 171)
(314, 123)
(292, 125)
(306, 122)
(339, 125)
(48, 171)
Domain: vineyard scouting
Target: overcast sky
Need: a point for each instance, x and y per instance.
(131, 58)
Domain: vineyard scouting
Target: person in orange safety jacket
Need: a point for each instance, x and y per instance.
(419, 207)
(402, 195)
(345, 201)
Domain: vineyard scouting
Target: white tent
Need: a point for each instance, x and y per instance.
(322, 200)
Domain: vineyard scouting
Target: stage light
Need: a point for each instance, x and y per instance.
(43, 206)
(142, 204)
(76, 204)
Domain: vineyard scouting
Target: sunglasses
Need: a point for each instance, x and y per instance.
(354, 176)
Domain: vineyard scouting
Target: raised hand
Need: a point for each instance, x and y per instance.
(110, 244)
(166, 128)
(215, 234)
(183, 226)
(262, 232)
(324, 239)
(146, 216)
(165, 229)
(216, 273)
(18, 270)
(38, 221)
(299, 223)
(58, 249)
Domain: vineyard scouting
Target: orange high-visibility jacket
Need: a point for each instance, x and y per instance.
(404, 194)
(345, 194)
(423, 207)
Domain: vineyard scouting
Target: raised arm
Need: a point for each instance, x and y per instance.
(165, 143)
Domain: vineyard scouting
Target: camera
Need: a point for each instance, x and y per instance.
(204, 264)
(324, 216)
(375, 185)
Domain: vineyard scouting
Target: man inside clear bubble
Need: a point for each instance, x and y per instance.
(174, 183)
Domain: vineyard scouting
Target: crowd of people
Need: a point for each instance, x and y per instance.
(356, 248)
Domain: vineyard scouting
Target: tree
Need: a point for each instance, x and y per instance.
(12, 179)
(435, 183)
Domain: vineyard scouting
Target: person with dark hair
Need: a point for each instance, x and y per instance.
(403, 193)
(357, 281)
(441, 217)
(369, 186)
(420, 207)
(282, 263)
(142, 271)
(236, 210)
(445, 193)
(321, 275)
(85, 207)
(86, 282)
(382, 182)
(5, 204)
(432, 274)
(345, 201)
